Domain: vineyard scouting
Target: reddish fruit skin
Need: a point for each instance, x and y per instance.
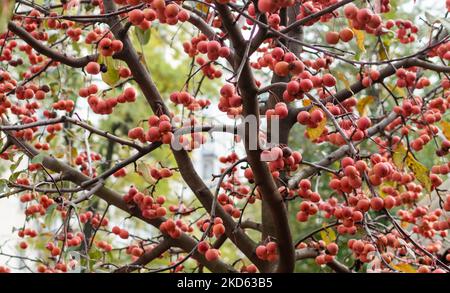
(389, 202)
(332, 248)
(328, 80)
(376, 204)
(93, 68)
(346, 35)
(332, 38)
(212, 254)
(124, 234)
(363, 123)
(350, 11)
(23, 245)
(136, 16)
(282, 68)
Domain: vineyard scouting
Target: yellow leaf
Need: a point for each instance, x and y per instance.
(362, 105)
(144, 170)
(342, 78)
(402, 156)
(399, 156)
(74, 152)
(445, 128)
(383, 50)
(400, 92)
(359, 37)
(404, 267)
(421, 172)
(306, 102)
(327, 235)
(59, 155)
(315, 133)
(202, 7)
(111, 76)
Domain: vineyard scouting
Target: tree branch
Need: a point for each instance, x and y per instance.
(50, 53)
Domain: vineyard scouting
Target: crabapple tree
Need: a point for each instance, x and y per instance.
(336, 111)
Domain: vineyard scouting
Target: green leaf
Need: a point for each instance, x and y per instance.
(3, 185)
(14, 176)
(111, 76)
(38, 159)
(143, 36)
(16, 164)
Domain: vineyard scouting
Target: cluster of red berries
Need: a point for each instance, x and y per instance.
(281, 159)
(231, 158)
(369, 77)
(211, 254)
(136, 250)
(27, 232)
(406, 77)
(443, 51)
(330, 250)
(83, 161)
(363, 19)
(230, 102)
(269, 6)
(305, 192)
(267, 252)
(406, 30)
(305, 82)
(362, 250)
(64, 105)
(306, 209)
(151, 208)
(174, 228)
(162, 173)
(311, 119)
(7, 84)
(426, 224)
(345, 35)
(212, 49)
(54, 249)
(58, 268)
(36, 209)
(31, 91)
(74, 240)
(280, 110)
(26, 197)
(217, 228)
(106, 106)
(105, 246)
(312, 7)
(122, 233)
(187, 100)
(160, 129)
(96, 220)
(427, 131)
(283, 63)
(348, 126)
(170, 13)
